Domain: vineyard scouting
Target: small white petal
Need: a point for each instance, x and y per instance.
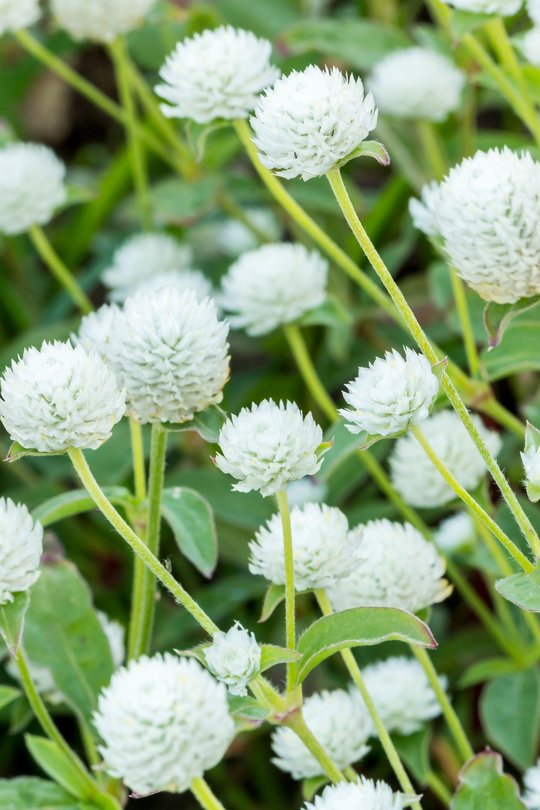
(422, 211)
(100, 20)
(21, 546)
(98, 331)
(362, 795)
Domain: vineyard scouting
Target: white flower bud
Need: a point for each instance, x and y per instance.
(422, 211)
(417, 83)
(268, 445)
(58, 397)
(530, 44)
(164, 721)
(21, 546)
(362, 795)
(273, 286)
(505, 8)
(97, 331)
(455, 533)
(531, 781)
(216, 74)
(234, 658)
(31, 186)
(100, 20)
(17, 14)
(310, 122)
(390, 394)
(341, 725)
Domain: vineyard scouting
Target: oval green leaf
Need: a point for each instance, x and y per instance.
(75, 503)
(484, 786)
(191, 519)
(522, 590)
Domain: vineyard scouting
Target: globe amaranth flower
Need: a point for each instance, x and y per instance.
(531, 781)
(391, 394)
(234, 658)
(171, 354)
(100, 20)
(97, 331)
(58, 397)
(455, 533)
(163, 721)
(310, 122)
(141, 258)
(268, 445)
(417, 83)
(413, 474)
(488, 214)
(234, 237)
(393, 566)
(505, 8)
(529, 44)
(31, 186)
(533, 9)
(422, 211)
(340, 723)
(402, 695)
(17, 14)
(362, 795)
(322, 548)
(21, 546)
(216, 74)
(273, 286)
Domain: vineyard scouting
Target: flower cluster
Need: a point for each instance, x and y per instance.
(100, 20)
(362, 795)
(234, 658)
(21, 545)
(422, 211)
(17, 14)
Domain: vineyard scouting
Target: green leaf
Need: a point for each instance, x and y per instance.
(358, 627)
(414, 750)
(372, 149)
(17, 451)
(483, 671)
(497, 317)
(510, 713)
(206, 423)
(247, 708)
(330, 313)
(272, 655)
(312, 785)
(12, 618)
(273, 597)
(56, 764)
(192, 521)
(7, 695)
(463, 22)
(177, 202)
(74, 503)
(522, 589)
(518, 350)
(484, 786)
(31, 793)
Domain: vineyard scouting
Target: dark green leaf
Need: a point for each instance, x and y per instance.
(12, 618)
(192, 521)
(206, 423)
(517, 352)
(414, 750)
(498, 316)
(522, 589)
(74, 503)
(56, 764)
(247, 708)
(7, 695)
(273, 597)
(484, 786)
(510, 712)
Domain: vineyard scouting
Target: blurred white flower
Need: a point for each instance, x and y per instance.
(234, 658)
(362, 795)
(100, 20)
(423, 210)
(311, 121)
(116, 634)
(21, 546)
(181, 280)
(306, 490)
(273, 286)
(216, 74)
(530, 44)
(97, 331)
(17, 14)
(455, 533)
(533, 9)
(505, 8)
(234, 237)
(531, 781)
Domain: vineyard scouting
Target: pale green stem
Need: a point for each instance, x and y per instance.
(498, 36)
(437, 786)
(460, 298)
(297, 723)
(137, 451)
(204, 795)
(290, 594)
(432, 146)
(59, 269)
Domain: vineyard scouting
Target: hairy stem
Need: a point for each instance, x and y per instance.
(297, 723)
(59, 269)
(290, 594)
(458, 288)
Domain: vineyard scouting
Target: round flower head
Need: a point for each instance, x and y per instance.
(100, 20)
(362, 795)
(234, 658)
(530, 45)
(268, 445)
(414, 475)
(58, 397)
(234, 237)
(172, 355)
(390, 394)
(531, 781)
(533, 8)
(31, 186)
(394, 566)
(340, 723)
(321, 547)
(505, 8)
(98, 331)
(142, 258)
(21, 546)
(417, 83)
(17, 14)
(216, 74)
(163, 721)
(488, 214)
(309, 122)
(272, 286)
(455, 533)
(422, 211)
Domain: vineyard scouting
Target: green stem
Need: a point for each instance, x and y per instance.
(437, 786)
(204, 795)
(498, 36)
(139, 568)
(59, 269)
(290, 594)
(433, 149)
(458, 288)
(297, 723)
(137, 451)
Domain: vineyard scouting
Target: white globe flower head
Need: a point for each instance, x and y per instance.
(181, 280)
(100, 20)
(455, 533)
(530, 45)
(391, 394)
(340, 723)
(17, 14)
(311, 122)
(267, 446)
(417, 83)
(322, 548)
(216, 74)
(98, 331)
(495, 246)
(171, 354)
(234, 658)
(58, 397)
(141, 258)
(306, 490)
(422, 211)
(533, 9)
(21, 546)
(273, 286)
(177, 709)
(31, 186)
(394, 566)
(504, 8)
(362, 795)
(531, 781)
(234, 237)
(415, 477)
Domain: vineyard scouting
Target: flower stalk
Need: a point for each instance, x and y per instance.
(59, 270)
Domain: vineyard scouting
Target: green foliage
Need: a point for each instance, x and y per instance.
(190, 517)
(484, 786)
(510, 711)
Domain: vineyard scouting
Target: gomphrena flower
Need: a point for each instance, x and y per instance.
(340, 723)
(216, 74)
(391, 394)
(58, 397)
(393, 566)
(422, 211)
(530, 44)
(234, 658)
(455, 533)
(417, 83)
(533, 9)
(272, 286)
(141, 258)
(172, 355)
(268, 445)
(98, 331)
(415, 477)
(531, 781)
(504, 8)
(163, 721)
(31, 186)
(17, 14)
(362, 795)
(310, 122)
(402, 694)
(100, 20)
(321, 547)
(21, 546)
(494, 248)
